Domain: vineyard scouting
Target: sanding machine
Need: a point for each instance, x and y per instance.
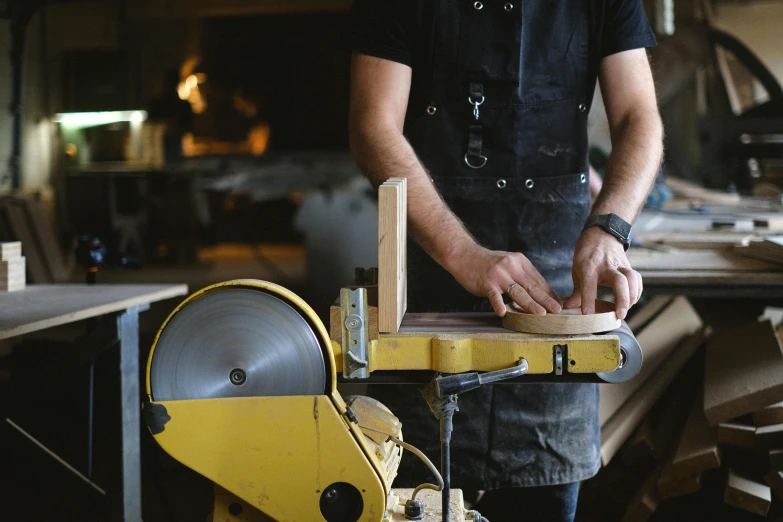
(242, 388)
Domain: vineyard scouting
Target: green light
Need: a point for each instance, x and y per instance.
(89, 119)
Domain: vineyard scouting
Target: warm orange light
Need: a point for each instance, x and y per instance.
(258, 137)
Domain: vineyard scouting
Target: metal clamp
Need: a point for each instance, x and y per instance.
(356, 332)
(559, 354)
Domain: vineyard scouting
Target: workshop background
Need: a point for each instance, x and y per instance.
(196, 141)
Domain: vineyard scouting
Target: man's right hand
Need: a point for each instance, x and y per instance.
(490, 274)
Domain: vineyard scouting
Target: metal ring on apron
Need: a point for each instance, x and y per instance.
(469, 164)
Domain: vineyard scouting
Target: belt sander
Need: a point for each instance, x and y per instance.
(242, 388)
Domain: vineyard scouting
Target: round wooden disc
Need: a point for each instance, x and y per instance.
(566, 322)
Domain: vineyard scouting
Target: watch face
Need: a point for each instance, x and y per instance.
(619, 228)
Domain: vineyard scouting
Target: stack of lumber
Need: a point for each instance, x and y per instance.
(12, 263)
(769, 249)
(25, 219)
(738, 412)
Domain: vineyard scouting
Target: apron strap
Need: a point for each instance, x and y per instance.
(473, 158)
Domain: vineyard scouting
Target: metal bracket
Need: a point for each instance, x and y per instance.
(559, 353)
(356, 333)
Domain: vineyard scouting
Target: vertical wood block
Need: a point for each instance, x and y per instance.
(644, 503)
(392, 254)
(744, 372)
(698, 449)
(10, 250)
(746, 494)
(739, 435)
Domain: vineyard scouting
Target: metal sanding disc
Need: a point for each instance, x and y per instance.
(237, 342)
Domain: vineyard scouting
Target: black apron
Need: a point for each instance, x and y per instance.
(500, 122)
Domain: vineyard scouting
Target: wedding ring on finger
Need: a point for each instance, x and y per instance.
(510, 288)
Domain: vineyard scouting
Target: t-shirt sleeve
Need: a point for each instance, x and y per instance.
(626, 27)
(382, 28)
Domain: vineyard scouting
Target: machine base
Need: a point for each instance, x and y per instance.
(230, 508)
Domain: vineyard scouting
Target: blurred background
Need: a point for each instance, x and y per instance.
(204, 140)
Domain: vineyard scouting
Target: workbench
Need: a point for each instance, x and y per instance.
(114, 314)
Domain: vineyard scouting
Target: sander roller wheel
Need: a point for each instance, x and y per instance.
(237, 342)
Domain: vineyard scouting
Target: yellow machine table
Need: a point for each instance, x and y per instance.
(242, 388)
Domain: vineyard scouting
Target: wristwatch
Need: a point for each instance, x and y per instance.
(614, 225)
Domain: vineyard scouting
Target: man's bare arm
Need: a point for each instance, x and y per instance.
(637, 147)
(379, 99)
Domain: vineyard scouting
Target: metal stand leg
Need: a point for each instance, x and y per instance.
(91, 409)
(130, 400)
(446, 427)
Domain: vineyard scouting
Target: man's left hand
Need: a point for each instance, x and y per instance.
(599, 259)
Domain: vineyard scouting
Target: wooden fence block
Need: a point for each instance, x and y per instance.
(770, 415)
(776, 459)
(774, 480)
(10, 250)
(746, 494)
(739, 435)
(770, 437)
(392, 254)
(744, 372)
(672, 486)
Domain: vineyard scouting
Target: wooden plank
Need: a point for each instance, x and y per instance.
(746, 494)
(698, 260)
(740, 435)
(617, 430)
(641, 445)
(744, 372)
(392, 254)
(772, 414)
(38, 307)
(10, 250)
(698, 449)
(770, 437)
(776, 459)
(644, 503)
(774, 480)
(662, 335)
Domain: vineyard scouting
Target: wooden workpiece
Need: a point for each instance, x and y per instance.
(769, 415)
(392, 254)
(566, 322)
(746, 494)
(739, 435)
(744, 372)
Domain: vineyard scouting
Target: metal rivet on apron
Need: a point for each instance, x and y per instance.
(478, 6)
(501, 183)
(508, 6)
(431, 110)
(582, 107)
(529, 183)
(582, 178)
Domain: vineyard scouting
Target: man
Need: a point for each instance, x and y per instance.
(482, 106)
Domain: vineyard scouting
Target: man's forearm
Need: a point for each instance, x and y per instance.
(633, 164)
(382, 152)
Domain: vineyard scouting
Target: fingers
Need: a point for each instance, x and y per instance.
(634, 284)
(530, 271)
(496, 300)
(573, 301)
(523, 299)
(587, 290)
(621, 286)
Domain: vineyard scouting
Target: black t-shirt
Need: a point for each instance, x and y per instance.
(400, 30)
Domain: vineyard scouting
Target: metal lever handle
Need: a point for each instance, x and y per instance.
(462, 382)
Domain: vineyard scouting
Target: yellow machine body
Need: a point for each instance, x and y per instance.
(275, 453)
(278, 454)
